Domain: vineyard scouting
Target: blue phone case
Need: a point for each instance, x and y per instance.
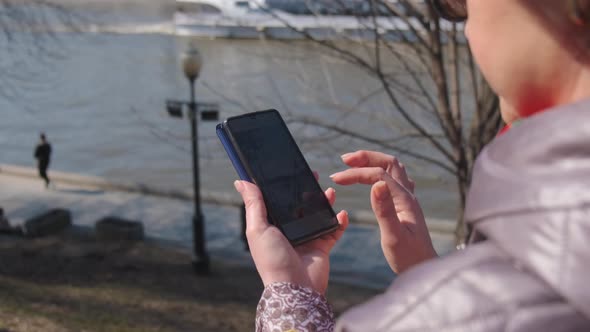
(231, 152)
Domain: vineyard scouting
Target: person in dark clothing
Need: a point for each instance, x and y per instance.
(43, 156)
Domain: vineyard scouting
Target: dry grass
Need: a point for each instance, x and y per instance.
(72, 282)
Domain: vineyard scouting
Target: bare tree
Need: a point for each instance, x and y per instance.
(427, 73)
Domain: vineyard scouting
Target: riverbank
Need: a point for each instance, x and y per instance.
(435, 225)
(356, 259)
(73, 282)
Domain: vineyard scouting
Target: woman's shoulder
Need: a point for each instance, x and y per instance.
(470, 287)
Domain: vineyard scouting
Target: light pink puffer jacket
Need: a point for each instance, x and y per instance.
(528, 266)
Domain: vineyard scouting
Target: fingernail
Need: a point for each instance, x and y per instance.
(333, 175)
(346, 155)
(238, 185)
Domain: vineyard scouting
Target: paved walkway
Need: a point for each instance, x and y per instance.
(356, 259)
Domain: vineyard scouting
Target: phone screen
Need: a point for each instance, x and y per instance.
(295, 201)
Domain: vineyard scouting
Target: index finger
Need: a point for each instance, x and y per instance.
(387, 162)
(371, 175)
(365, 175)
(365, 158)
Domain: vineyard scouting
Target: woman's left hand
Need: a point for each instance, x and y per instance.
(276, 259)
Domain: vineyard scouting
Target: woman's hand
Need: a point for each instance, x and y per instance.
(275, 258)
(404, 236)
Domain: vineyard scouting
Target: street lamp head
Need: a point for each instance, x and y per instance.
(192, 63)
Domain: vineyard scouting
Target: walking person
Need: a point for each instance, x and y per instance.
(527, 262)
(43, 156)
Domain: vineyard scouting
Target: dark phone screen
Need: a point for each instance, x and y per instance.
(294, 199)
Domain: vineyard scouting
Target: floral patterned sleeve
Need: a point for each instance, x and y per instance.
(286, 307)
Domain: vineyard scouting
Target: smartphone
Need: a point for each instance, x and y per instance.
(263, 151)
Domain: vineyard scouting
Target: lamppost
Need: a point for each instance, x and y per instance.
(191, 66)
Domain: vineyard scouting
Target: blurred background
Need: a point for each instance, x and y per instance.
(99, 85)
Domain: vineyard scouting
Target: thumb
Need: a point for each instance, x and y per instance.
(256, 216)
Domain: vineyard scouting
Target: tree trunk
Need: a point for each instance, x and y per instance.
(461, 229)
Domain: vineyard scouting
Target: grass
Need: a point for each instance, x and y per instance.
(72, 282)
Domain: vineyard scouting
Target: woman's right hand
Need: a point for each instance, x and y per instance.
(404, 236)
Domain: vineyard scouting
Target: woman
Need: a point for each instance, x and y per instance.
(529, 204)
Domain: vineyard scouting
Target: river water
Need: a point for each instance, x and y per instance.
(100, 98)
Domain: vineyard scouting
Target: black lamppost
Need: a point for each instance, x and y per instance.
(191, 65)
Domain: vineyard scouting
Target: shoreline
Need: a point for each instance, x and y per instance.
(356, 259)
(359, 217)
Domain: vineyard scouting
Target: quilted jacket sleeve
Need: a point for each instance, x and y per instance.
(287, 307)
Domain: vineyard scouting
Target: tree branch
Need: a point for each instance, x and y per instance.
(350, 133)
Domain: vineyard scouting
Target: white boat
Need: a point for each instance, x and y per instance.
(252, 19)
